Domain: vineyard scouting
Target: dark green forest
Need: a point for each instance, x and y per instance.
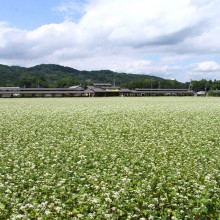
(56, 76)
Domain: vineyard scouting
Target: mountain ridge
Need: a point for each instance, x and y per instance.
(54, 75)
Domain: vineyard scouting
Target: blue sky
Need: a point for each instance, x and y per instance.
(29, 14)
(176, 39)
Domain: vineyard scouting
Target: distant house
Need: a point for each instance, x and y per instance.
(107, 89)
(201, 93)
(76, 88)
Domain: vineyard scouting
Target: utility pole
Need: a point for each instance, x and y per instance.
(114, 82)
(190, 85)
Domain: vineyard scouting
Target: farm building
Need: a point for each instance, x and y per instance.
(97, 89)
(201, 93)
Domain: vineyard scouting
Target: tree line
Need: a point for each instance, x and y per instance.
(56, 76)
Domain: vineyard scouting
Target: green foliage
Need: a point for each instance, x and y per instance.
(63, 82)
(60, 76)
(202, 85)
(216, 85)
(50, 75)
(155, 84)
(31, 81)
(115, 158)
(214, 93)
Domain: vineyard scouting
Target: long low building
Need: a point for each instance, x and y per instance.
(97, 89)
(44, 92)
(106, 89)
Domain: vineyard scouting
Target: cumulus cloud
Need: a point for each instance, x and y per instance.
(119, 35)
(203, 70)
(208, 66)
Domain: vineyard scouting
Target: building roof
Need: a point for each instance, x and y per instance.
(102, 84)
(201, 93)
(125, 90)
(93, 90)
(76, 88)
(9, 87)
(110, 87)
(88, 91)
(143, 89)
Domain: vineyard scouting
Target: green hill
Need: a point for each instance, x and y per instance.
(51, 75)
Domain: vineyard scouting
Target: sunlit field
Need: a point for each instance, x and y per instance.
(110, 158)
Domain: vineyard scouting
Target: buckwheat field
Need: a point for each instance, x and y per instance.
(110, 158)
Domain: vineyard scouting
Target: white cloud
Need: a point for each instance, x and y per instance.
(117, 34)
(203, 70)
(208, 66)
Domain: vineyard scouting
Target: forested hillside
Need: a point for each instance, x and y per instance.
(51, 75)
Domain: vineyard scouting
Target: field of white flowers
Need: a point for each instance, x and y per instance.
(110, 158)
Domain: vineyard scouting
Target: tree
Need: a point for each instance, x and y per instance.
(201, 85)
(31, 81)
(64, 82)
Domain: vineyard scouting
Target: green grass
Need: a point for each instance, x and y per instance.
(110, 158)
